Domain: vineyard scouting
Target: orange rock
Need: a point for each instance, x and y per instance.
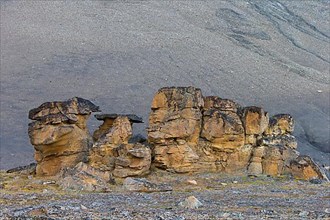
(214, 102)
(305, 168)
(255, 120)
(176, 114)
(59, 134)
(280, 125)
(178, 158)
(223, 130)
(108, 121)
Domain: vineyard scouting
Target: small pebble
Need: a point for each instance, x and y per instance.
(191, 203)
(192, 182)
(303, 214)
(226, 215)
(83, 207)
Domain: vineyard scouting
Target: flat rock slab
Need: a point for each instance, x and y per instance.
(143, 185)
(133, 118)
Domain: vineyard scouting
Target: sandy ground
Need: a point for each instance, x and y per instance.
(273, 54)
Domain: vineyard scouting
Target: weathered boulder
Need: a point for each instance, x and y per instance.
(279, 145)
(60, 135)
(119, 133)
(255, 120)
(255, 166)
(114, 154)
(83, 177)
(288, 141)
(108, 120)
(214, 102)
(223, 130)
(281, 124)
(143, 185)
(272, 160)
(303, 167)
(175, 115)
(132, 160)
(28, 169)
(190, 203)
(190, 133)
(174, 127)
(178, 158)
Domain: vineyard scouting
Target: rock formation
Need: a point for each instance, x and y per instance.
(187, 133)
(112, 152)
(60, 135)
(174, 127)
(83, 177)
(190, 133)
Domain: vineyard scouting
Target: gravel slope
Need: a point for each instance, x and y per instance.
(273, 54)
(222, 197)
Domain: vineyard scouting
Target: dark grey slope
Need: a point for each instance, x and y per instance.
(273, 54)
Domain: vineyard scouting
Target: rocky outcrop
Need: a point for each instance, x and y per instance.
(305, 168)
(174, 127)
(190, 133)
(187, 133)
(112, 151)
(83, 177)
(59, 134)
(107, 124)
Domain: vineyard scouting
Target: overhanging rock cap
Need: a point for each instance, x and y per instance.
(133, 118)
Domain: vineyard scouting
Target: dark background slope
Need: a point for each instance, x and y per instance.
(273, 54)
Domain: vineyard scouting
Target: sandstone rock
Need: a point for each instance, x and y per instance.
(191, 134)
(280, 125)
(108, 120)
(113, 153)
(60, 135)
(119, 133)
(191, 203)
(28, 169)
(255, 120)
(84, 178)
(174, 127)
(192, 182)
(303, 167)
(143, 185)
(272, 163)
(132, 160)
(175, 114)
(178, 98)
(177, 158)
(271, 160)
(69, 109)
(214, 102)
(287, 141)
(255, 166)
(238, 161)
(223, 130)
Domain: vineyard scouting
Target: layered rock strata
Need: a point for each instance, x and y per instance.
(189, 132)
(112, 151)
(59, 134)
